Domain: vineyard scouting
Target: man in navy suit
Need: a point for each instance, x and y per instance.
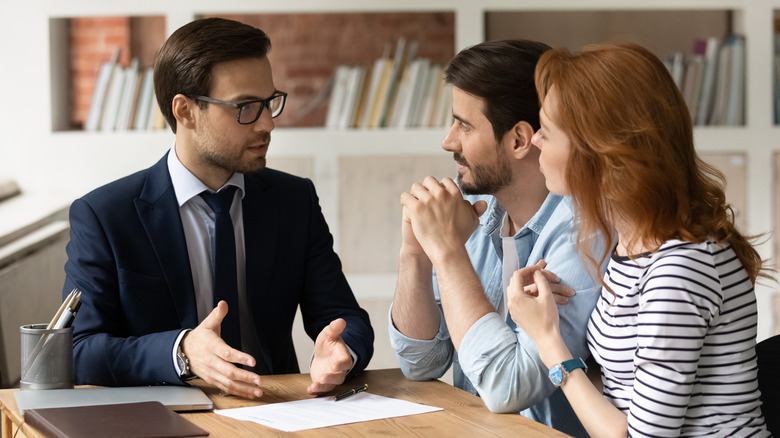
(142, 248)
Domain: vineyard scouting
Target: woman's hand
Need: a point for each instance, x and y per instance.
(531, 304)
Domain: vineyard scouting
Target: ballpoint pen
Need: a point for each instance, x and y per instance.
(65, 304)
(351, 392)
(67, 316)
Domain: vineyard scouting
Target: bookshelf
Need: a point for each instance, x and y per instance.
(43, 158)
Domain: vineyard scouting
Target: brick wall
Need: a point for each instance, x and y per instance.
(306, 49)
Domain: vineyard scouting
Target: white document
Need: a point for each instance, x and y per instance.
(325, 411)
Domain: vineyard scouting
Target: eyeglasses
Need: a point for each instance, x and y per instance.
(249, 111)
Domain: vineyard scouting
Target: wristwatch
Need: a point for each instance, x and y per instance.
(559, 371)
(184, 364)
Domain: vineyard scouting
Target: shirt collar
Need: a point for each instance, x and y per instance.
(495, 215)
(186, 185)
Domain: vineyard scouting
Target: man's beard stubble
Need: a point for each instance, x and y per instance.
(229, 159)
(487, 180)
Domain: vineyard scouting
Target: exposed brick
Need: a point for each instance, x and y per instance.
(92, 42)
(306, 48)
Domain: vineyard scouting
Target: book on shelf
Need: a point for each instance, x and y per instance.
(712, 80)
(435, 90)
(694, 71)
(721, 88)
(338, 91)
(136, 99)
(421, 93)
(145, 100)
(400, 92)
(403, 96)
(128, 95)
(380, 94)
(709, 47)
(148, 419)
(676, 65)
(355, 79)
(403, 56)
(377, 70)
(735, 113)
(102, 84)
(363, 97)
(113, 98)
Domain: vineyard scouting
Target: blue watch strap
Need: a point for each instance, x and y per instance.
(573, 364)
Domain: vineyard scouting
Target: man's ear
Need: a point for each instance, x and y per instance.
(520, 139)
(184, 111)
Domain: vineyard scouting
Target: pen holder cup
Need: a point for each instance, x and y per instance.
(47, 357)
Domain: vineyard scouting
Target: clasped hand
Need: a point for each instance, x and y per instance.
(436, 218)
(213, 360)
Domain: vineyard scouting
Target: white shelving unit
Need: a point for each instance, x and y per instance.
(71, 163)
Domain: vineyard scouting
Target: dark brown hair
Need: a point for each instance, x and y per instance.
(185, 61)
(501, 73)
(632, 155)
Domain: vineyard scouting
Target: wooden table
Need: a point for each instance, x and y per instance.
(464, 414)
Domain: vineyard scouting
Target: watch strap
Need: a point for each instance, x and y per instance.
(182, 361)
(573, 364)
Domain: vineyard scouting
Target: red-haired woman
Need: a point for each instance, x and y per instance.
(675, 329)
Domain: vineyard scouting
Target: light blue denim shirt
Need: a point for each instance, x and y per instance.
(497, 361)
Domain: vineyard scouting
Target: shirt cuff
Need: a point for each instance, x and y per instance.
(176, 349)
(413, 349)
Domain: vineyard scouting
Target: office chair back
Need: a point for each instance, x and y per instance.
(768, 353)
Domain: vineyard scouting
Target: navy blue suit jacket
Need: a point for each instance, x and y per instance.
(127, 254)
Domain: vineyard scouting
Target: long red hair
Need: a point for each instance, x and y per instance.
(632, 154)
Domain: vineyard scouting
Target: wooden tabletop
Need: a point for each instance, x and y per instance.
(464, 414)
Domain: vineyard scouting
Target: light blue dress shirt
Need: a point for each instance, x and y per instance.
(497, 361)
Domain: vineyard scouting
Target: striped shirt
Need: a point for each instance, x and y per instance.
(677, 344)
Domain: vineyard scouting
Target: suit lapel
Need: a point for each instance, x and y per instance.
(158, 210)
(260, 243)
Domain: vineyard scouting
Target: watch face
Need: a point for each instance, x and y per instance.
(556, 375)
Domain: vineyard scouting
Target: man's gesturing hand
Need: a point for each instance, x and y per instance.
(212, 359)
(332, 360)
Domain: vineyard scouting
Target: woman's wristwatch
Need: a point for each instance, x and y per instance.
(559, 372)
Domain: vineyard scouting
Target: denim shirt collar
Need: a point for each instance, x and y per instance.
(491, 224)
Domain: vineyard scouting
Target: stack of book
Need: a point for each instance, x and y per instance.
(399, 91)
(712, 80)
(124, 99)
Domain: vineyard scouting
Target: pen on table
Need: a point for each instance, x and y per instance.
(351, 392)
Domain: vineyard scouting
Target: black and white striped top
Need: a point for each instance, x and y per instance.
(677, 344)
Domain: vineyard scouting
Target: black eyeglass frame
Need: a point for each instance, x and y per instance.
(265, 104)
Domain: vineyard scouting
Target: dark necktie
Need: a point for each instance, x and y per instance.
(225, 284)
